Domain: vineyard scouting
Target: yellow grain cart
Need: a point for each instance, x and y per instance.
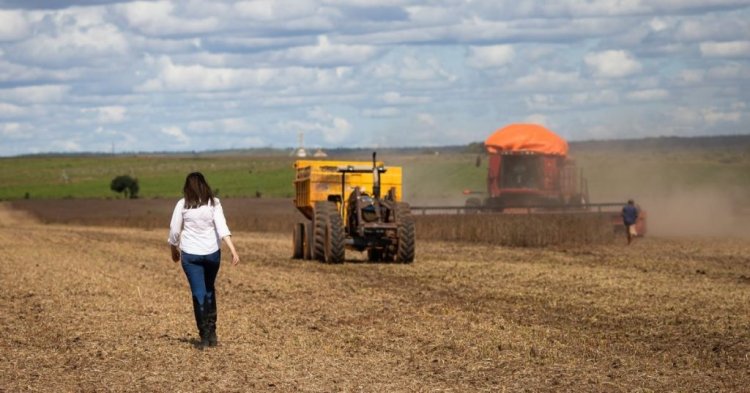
(344, 209)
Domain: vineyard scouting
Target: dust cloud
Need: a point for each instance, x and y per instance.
(698, 212)
(11, 217)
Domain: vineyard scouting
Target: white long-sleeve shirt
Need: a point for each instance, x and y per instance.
(198, 231)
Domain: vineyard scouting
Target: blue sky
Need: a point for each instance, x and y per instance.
(198, 75)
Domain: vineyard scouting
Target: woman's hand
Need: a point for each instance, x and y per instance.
(175, 253)
(235, 256)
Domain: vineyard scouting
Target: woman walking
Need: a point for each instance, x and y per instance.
(195, 233)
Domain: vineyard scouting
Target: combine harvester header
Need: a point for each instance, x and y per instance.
(530, 172)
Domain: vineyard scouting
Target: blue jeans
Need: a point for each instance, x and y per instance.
(201, 271)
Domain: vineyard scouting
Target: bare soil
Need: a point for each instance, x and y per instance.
(104, 309)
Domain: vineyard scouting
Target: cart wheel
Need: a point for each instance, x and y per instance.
(307, 248)
(298, 236)
(329, 233)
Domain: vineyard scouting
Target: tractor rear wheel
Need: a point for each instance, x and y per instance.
(320, 226)
(298, 236)
(328, 244)
(336, 237)
(406, 234)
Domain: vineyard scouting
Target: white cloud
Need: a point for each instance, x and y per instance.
(612, 64)
(42, 94)
(648, 95)
(536, 118)
(173, 77)
(598, 98)
(490, 56)
(75, 45)
(235, 124)
(395, 98)
(713, 116)
(729, 72)
(711, 27)
(426, 119)
(692, 76)
(157, 18)
(275, 10)
(176, 134)
(227, 125)
(334, 129)
(541, 102)
(725, 49)
(108, 114)
(422, 70)
(13, 25)
(198, 78)
(430, 15)
(326, 53)
(544, 80)
(14, 130)
(72, 37)
(658, 24)
(12, 72)
(67, 146)
(387, 111)
(10, 110)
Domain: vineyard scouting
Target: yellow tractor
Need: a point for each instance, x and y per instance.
(345, 210)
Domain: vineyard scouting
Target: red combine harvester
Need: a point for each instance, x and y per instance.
(529, 166)
(530, 172)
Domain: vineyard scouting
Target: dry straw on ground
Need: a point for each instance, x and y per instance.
(103, 309)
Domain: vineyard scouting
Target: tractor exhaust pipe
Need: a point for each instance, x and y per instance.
(375, 176)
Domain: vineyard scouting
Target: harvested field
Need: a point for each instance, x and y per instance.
(103, 309)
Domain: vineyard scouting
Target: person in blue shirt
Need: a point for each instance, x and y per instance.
(629, 217)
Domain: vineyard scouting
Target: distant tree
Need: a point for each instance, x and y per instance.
(475, 147)
(126, 185)
(134, 188)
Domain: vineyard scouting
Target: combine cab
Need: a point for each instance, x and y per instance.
(344, 209)
(520, 179)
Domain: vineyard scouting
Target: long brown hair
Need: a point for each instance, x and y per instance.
(196, 191)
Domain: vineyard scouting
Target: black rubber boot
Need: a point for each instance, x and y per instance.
(201, 322)
(210, 306)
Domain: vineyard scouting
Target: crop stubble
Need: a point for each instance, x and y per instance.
(96, 308)
(279, 215)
